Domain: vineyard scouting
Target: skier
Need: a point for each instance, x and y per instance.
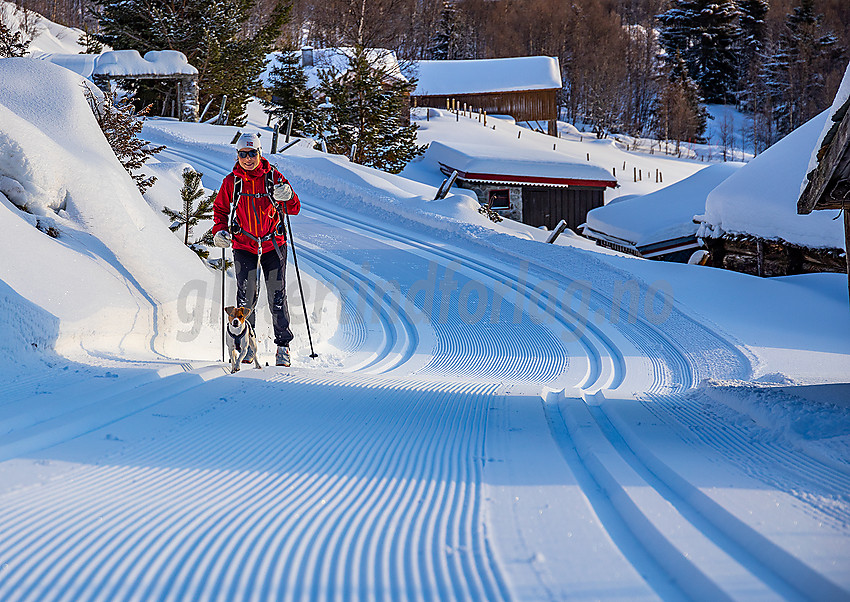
(249, 216)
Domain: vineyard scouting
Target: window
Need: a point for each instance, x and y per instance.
(500, 199)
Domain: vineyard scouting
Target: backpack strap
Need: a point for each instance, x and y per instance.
(235, 228)
(233, 223)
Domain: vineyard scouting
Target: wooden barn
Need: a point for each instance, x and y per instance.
(828, 184)
(538, 188)
(526, 88)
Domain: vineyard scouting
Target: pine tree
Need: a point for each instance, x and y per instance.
(679, 114)
(364, 112)
(753, 28)
(445, 43)
(793, 72)
(90, 42)
(703, 33)
(121, 124)
(289, 92)
(12, 44)
(191, 214)
(213, 34)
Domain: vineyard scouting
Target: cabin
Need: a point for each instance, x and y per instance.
(160, 65)
(751, 222)
(526, 88)
(827, 186)
(659, 225)
(535, 187)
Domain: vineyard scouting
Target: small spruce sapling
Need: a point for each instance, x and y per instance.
(121, 125)
(191, 213)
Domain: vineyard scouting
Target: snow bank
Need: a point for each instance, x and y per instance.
(115, 275)
(81, 64)
(49, 37)
(123, 62)
(487, 75)
(815, 419)
(662, 215)
(761, 198)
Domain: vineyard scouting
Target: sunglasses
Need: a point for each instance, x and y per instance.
(246, 154)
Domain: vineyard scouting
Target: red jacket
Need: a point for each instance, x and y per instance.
(255, 215)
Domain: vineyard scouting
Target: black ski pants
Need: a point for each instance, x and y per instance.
(247, 292)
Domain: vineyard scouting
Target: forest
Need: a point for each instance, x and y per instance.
(642, 67)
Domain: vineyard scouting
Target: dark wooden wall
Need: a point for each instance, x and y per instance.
(528, 105)
(546, 206)
(761, 257)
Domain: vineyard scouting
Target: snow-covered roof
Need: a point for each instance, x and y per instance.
(761, 198)
(338, 58)
(131, 63)
(487, 75)
(663, 215)
(841, 97)
(479, 162)
(128, 63)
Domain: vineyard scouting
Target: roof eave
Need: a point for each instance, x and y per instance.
(830, 156)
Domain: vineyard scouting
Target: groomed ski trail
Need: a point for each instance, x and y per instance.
(435, 464)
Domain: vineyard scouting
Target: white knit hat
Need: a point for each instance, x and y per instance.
(249, 141)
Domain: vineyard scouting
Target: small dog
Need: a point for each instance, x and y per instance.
(240, 336)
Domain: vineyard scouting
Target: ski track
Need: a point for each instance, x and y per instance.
(299, 485)
(272, 498)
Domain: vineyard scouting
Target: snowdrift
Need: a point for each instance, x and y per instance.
(114, 276)
(48, 37)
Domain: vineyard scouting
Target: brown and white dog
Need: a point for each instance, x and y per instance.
(240, 336)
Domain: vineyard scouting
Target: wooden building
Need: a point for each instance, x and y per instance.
(828, 184)
(159, 65)
(526, 88)
(537, 188)
(659, 225)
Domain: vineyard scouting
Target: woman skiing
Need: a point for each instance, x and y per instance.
(249, 216)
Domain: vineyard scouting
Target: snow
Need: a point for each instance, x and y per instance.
(506, 139)
(487, 76)
(123, 62)
(737, 125)
(338, 58)
(662, 215)
(49, 37)
(155, 62)
(530, 162)
(514, 435)
(81, 64)
(761, 198)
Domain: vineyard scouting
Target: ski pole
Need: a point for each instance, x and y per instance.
(313, 354)
(223, 327)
